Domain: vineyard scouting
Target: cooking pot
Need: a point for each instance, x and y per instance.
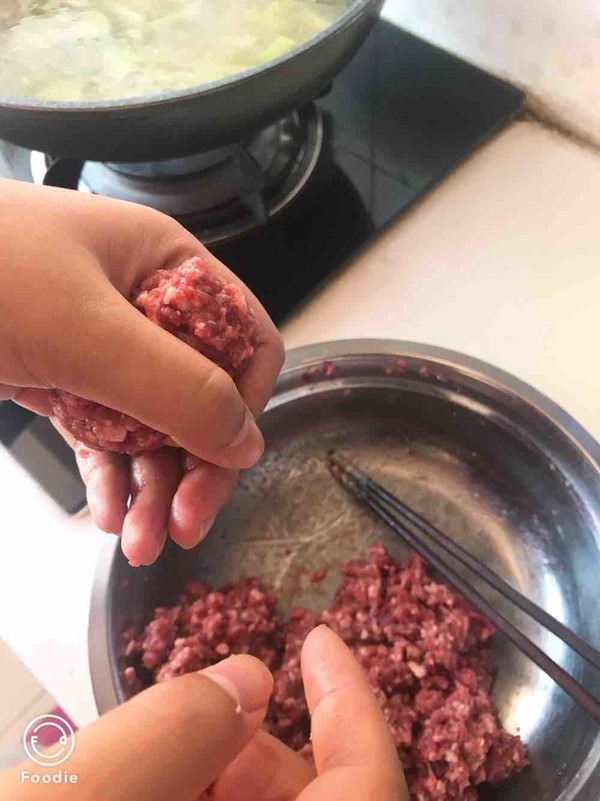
(205, 117)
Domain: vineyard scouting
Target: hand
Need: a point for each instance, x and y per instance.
(68, 263)
(173, 740)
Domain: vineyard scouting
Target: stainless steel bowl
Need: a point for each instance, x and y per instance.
(484, 456)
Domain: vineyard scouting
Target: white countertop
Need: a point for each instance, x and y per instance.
(501, 262)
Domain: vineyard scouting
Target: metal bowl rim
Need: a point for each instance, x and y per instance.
(470, 366)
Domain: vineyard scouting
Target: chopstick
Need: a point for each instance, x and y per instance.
(387, 507)
(583, 648)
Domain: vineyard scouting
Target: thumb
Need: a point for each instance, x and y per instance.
(171, 741)
(126, 362)
(354, 752)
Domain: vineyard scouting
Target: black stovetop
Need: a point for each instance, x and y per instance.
(398, 119)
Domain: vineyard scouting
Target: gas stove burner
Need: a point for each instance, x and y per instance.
(218, 195)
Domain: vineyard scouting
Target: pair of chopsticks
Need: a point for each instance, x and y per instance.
(411, 526)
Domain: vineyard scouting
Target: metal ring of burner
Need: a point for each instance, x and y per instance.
(294, 183)
(257, 180)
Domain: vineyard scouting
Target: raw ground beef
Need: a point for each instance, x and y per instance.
(101, 428)
(195, 306)
(427, 655)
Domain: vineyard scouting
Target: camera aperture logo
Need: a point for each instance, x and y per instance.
(49, 740)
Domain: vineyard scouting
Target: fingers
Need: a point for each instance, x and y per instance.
(36, 400)
(267, 770)
(87, 338)
(172, 740)
(353, 748)
(164, 499)
(151, 375)
(8, 392)
(202, 492)
(256, 385)
(171, 492)
(106, 479)
(154, 480)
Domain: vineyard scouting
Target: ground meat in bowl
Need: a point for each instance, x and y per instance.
(428, 657)
(194, 305)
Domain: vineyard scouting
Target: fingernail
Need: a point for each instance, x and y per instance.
(245, 679)
(148, 561)
(247, 448)
(205, 527)
(157, 553)
(191, 461)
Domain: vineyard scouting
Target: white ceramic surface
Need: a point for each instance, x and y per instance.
(550, 47)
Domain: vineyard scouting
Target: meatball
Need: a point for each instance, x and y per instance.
(199, 309)
(101, 428)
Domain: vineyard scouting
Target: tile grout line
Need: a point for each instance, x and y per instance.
(37, 697)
